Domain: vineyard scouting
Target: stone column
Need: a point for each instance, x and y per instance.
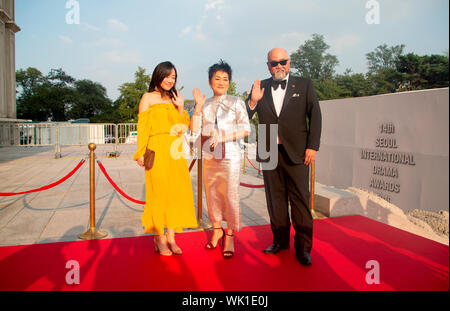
(3, 105)
(11, 29)
(8, 29)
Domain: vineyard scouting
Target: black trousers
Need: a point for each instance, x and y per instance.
(289, 182)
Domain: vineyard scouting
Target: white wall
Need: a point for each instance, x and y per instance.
(420, 121)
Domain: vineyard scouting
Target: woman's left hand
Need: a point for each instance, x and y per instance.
(140, 161)
(216, 138)
(178, 100)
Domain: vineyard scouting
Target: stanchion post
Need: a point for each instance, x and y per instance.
(116, 138)
(199, 186)
(92, 233)
(243, 162)
(311, 185)
(57, 144)
(191, 147)
(201, 224)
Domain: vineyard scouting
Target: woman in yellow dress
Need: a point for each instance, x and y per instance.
(161, 122)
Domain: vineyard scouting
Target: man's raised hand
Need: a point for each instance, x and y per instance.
(257, 93)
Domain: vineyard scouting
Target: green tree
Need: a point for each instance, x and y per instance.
(386, 80)
(328, 89)
(353, 84)
(43, 98)
(434, 70)
(90, 101)
(384, 57)
(423, 72)
(27, 81)
(130, 96)
(232, 90)
(311, 60)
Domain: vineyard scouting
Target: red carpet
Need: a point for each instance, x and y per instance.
(341, 248)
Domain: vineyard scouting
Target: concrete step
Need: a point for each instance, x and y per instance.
(333, 202)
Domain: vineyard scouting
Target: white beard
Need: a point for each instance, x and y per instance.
(279, 75)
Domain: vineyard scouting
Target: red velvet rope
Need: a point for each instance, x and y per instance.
(242, 184)
(192, 164)
(5, 194)
(252, 164)
(185, 139)
(102, 168)
(251, 186)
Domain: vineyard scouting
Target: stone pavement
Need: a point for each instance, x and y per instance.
(62, 213)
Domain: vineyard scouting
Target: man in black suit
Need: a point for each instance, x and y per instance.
(290, 103)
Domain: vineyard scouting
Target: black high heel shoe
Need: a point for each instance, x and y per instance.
(211, 246)
(227, 254)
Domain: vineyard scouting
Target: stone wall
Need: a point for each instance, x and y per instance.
(395, 145)
(8, 28)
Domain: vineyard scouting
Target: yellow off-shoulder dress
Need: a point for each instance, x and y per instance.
(169, 198)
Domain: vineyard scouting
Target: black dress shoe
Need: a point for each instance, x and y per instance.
(275, 248)
(304, 258)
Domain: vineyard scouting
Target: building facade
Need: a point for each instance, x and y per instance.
(8, 29)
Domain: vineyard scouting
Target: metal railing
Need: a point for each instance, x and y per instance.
(67, 134)
(126, 133)
(59, 134)
(21, 134)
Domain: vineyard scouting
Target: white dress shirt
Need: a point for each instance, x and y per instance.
(278, 98)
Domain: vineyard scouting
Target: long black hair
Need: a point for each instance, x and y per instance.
(159, 74)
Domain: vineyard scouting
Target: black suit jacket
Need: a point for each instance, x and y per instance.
(300, 102)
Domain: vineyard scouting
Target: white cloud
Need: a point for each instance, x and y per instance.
(210, 5)
(295, 37)
(397, 10)
(186, 30)
(289, 41)
(344, 42)
(66, 40)
(99, 74)
(116, 25)
(121, 57)
(90, 27)
(200, 36)
(108, 42)
(214, 4)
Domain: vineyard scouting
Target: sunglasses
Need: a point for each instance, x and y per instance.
(281, 62)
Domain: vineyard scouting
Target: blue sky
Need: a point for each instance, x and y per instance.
(114, 37)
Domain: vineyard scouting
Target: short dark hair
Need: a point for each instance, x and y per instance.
(159, 74)
(220, 66)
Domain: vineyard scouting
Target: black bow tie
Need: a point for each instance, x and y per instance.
(275, 84)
